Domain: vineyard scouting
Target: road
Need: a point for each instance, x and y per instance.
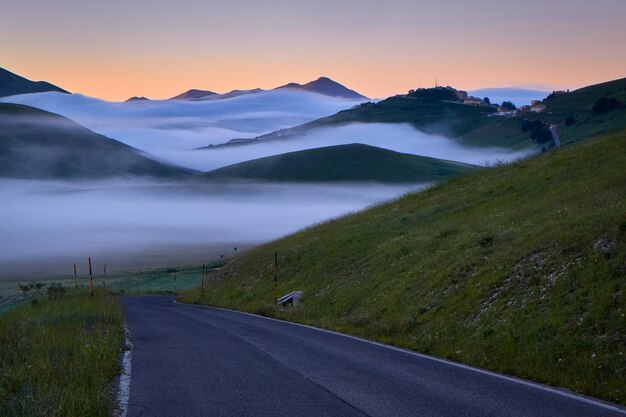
(194, 361)
(555, 136)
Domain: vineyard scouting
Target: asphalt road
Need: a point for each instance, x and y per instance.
(193, 361)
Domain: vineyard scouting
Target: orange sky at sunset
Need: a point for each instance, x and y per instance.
(158, 49)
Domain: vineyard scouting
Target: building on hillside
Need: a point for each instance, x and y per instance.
(538, 107)
(461, 95)
(474, 101)
(523, 108)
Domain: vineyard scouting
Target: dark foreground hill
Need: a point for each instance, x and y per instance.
(355, 162)
(518, 269)
(38, 144)
(12, 84)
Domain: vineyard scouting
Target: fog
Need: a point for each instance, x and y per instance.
(168, 129)
(398, 137)
(48, 219)
(171, 130)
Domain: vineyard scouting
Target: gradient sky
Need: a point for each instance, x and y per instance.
(156, 48)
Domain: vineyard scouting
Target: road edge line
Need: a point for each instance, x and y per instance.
(536, 385)
(123, 393)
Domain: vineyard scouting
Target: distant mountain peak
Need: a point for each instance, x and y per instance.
(12, 84)
(326, 86)
(195, 94)
(135, 98)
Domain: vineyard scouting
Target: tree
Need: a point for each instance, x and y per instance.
(539, 131)
(570, 120)
(486, 100)
(508, 105)
(605, 105)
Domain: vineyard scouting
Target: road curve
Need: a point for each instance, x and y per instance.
(194, 361)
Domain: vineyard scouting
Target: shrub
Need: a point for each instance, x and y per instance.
(508, 105)
(605, 105)
(570, 120)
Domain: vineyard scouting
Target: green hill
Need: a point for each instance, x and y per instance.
(579, 104)
(435, 111)
(353, 162)
(470, 125)
(38, 144)
(519, 269)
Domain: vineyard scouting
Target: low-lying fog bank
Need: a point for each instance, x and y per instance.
(171, 129)
(44, 220)
(396, 137)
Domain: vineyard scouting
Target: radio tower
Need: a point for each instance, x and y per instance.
(436, 82)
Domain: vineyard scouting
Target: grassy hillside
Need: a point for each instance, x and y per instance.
(469, 124)
(519, 269)
(59, 356)
(476, 125)
(353, 162)
(38, 144)
(579, 104)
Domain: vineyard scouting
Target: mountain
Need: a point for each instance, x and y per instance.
(195, 95)
(134, 99)
(355, 162)
(326, 86)
(322, 85)
(518, 269)
(237, 93)
(432, 111)
(442, 111)
(38, 144)
(12, 84)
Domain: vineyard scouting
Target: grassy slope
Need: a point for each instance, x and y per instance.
(38, 144)
(519, 269)
(354, 162)
(578, 104)
(469, 124)
(59, 357)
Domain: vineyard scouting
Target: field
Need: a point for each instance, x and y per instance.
(60, 355)
(518, 269)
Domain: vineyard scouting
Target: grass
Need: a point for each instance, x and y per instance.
(355, 162)
(60, 355)
(519, 269)
(578, 104)
(160, 281)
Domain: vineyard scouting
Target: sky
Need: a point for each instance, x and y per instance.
(159, 48)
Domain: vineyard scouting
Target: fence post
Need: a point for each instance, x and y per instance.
(275, 278)
(90, 279)
(75, 278)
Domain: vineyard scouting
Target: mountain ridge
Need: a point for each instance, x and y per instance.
(322, 85)
(36, 144)
(12, 84)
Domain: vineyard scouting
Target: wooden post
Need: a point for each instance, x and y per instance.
(175, 287)
(75, 277)
(105, 276)
(90, 279)
(203, 274)
(275, 278)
